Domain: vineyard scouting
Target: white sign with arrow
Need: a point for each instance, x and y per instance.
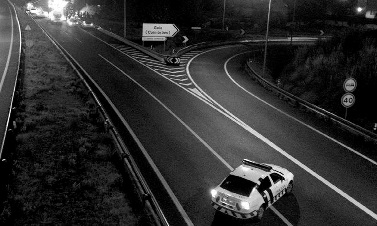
(159, 30)
(185, 39)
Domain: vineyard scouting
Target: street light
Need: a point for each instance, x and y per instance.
(224, 14)
(125, 21)
(266, 42)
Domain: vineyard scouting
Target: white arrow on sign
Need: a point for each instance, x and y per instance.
(185, 39)
(159, 30)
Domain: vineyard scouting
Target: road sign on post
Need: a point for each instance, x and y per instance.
(173, 60)
(159, 30)
(349, 85)
(348, 99)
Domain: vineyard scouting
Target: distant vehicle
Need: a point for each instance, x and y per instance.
(250, 189)
(73, 21)
(85, 24)
(33, 11)
(36, 11)
(56, 16)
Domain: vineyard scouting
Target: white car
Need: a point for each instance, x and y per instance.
(72, 21)
(33, 11)
(250, 189)
(86, 24)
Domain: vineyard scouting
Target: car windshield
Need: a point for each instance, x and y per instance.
(238, 185)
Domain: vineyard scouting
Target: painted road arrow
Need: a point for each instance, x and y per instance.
(159, 30)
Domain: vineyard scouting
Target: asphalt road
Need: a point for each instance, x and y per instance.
(9, 57)
(199, 120)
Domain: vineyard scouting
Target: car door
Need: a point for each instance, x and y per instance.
(277, 187)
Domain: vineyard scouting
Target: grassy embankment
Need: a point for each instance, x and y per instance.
(317, 74)
(65, 165)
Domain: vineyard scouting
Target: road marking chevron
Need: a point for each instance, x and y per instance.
(177, 75)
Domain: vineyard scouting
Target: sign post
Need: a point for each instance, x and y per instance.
(348, 99)
(158, 32)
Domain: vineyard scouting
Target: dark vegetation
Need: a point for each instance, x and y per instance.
(65, 169)
(316, 73)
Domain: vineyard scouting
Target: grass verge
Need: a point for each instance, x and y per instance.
(65, 169)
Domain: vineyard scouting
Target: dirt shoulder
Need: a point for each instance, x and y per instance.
(65, 168)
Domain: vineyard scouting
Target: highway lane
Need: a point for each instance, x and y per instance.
(9, 59)
(191, 142)
(181, 156)
(220, 74)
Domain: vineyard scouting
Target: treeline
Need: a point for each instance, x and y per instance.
(317, 74)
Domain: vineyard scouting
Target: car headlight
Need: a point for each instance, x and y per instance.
(245, 205)
(213, 193)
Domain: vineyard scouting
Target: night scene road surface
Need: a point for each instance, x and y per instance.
(197, 121)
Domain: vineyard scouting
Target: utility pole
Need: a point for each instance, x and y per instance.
(266, 42)
(125, 18)
(224, 14)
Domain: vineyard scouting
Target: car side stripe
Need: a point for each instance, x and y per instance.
(265, 198)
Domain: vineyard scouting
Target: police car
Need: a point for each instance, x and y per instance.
(250, 189)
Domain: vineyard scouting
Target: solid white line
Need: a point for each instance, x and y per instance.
(9, 52)
(278, 149)
(285, 220)
(162, 179)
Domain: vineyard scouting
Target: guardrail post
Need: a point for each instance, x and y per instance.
(146, 197)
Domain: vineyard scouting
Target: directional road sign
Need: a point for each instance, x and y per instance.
(185, 39)
(171, 60)
(159, 30)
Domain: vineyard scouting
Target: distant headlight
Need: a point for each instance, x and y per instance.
(245, 205)
(213, 193)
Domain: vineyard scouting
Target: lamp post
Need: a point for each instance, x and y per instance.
(125, 21)
(224, 14)
(293, 25)
(266, 42)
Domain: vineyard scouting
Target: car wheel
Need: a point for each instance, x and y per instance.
(260, 213)
(290, 187)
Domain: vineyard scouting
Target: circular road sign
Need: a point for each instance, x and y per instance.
(349, 85)
(348, 100)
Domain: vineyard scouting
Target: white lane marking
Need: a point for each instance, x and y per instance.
(281, 216)
(162, 179)
(281, 151)
(9, 52)
(291, 117)
(78, 40)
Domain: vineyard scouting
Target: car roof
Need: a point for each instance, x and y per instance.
(250, 173)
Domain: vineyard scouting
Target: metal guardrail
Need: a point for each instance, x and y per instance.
(351, 127)
(144, 192)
